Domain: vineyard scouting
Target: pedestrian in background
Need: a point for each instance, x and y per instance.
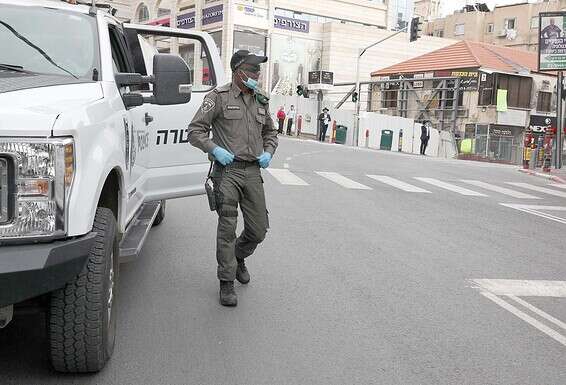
(243, 140)
(324, 120)
(290, 119)
(280, 119)
(425, 136)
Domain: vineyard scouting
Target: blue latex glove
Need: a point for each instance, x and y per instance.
(222, 156)
(264, 159)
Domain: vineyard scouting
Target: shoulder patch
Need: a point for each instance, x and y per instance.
(208, 105)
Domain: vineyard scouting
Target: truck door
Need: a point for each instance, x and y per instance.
(175, 168)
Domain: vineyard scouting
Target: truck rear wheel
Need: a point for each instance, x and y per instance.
(160, 214)
(81, 316)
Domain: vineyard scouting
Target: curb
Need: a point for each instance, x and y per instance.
(553, 178)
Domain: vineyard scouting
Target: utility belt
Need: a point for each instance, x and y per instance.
(239, 164)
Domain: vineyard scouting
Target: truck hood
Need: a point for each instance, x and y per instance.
(33, 112)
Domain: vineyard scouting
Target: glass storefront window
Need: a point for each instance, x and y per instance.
(291, 59)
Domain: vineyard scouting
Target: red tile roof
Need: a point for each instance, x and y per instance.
(466, 54)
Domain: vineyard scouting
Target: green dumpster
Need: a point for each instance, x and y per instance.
(386, 140)
(341, 134)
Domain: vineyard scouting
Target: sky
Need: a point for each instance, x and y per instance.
(449, 6)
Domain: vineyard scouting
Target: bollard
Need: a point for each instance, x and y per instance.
(333, 136)
(367, 138)
(299, 124)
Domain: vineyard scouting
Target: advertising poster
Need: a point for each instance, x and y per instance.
(552, 41)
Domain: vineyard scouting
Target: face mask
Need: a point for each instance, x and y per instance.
(249, 82)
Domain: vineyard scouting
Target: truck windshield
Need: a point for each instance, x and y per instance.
(48, 41)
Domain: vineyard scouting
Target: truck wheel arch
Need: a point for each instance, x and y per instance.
(111, 193)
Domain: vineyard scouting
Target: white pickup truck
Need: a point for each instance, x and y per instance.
(93, 141)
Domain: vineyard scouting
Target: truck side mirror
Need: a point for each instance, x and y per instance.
(171, 80)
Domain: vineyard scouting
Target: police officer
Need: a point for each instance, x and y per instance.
(243, 140)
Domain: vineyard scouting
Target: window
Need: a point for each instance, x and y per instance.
(510, 24)
(490, 28)
(459, 29)
(518, 90)
(544, 101)
(143, 13)
(534, 22)
(439, 33)
(119, 60)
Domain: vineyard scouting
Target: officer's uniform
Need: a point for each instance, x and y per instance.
(241, 124)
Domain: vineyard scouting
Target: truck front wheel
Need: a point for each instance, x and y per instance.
(81, 319)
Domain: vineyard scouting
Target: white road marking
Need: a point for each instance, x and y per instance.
(545, 190)
(541, 313)
(343, 181)
(288, 158)
(286, 177)
(450, 187)
(527, 318)
(559, 185)
(398, 184)
(538, 211)
(523, 288)
(498, 189)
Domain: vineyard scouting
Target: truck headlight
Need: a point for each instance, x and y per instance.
(43, 172)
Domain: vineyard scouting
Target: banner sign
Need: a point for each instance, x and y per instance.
(186, 21)
(290, 24)
(540, 123)
(468, 79)
(552, 41)
(213, 15)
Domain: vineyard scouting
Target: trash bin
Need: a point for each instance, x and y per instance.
(341, 134)
(386, 140)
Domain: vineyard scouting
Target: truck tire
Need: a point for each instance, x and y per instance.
(81, 318)
(160, 214)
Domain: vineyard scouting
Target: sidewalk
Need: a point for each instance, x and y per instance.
(556, 176)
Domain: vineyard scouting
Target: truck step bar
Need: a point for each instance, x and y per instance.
(137, 231)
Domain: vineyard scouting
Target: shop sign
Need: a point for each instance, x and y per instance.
(502, 131)
(186, 21)
(213, 15)
(552, 41)
(327, 77)
(468, 79)
(314, 77)
(249, 10)
(290, 24)
(541, 123)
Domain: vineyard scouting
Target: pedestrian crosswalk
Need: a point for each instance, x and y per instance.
(421, 185)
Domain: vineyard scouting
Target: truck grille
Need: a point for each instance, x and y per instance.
(6, 191)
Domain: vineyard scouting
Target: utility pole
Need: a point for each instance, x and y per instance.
(415, 24)
(559, 122)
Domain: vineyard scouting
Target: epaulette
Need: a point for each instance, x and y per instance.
(261, 96)
(223, 88)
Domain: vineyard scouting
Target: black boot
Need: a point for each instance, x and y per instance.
(227, 294)
(242, 274)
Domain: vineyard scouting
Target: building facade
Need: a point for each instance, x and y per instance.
(399, 14)
(428, 10)
(297, 36)
(514, 26)
(483, 94)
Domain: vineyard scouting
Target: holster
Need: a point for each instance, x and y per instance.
(209, 188)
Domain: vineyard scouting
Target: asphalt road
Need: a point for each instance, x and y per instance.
(352, 286)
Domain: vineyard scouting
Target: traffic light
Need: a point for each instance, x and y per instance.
(302, 90)
(415, 29)
(354, 96)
